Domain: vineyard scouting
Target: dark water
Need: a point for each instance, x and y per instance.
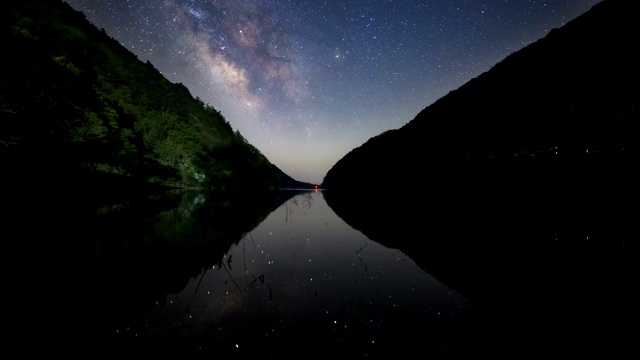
(305, 277)
(548, 247)
(196, 275)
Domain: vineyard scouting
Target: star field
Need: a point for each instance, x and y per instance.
(307, 81)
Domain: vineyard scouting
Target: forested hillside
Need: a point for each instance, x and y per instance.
(74, 101)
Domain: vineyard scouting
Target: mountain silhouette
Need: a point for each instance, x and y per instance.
(516, 189)
(572, 92)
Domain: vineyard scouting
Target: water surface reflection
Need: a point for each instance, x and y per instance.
(303, 277)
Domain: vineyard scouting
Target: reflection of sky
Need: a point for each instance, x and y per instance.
(304, 266)
(307, 81)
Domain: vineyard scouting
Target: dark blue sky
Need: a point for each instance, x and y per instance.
(307, 81)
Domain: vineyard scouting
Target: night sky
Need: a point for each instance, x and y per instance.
(306, 81)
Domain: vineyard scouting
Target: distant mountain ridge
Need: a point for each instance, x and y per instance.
(573, 91)
(287, 182)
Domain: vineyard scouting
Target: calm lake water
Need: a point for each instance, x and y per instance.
(196, 274)
(156, 276)
(304, 276)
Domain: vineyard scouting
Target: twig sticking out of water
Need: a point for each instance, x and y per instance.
(358, 255)
(231, 277)
(201, 277)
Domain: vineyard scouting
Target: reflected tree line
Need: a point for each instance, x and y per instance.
(99, 264)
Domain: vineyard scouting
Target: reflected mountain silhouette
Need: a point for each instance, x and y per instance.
(303, 280)
(547, 244)
(76, 255)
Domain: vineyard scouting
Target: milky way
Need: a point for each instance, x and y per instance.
(307, 81)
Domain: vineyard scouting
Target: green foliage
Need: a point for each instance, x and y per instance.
(60, 60)
(91, 128)
(73, 93)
